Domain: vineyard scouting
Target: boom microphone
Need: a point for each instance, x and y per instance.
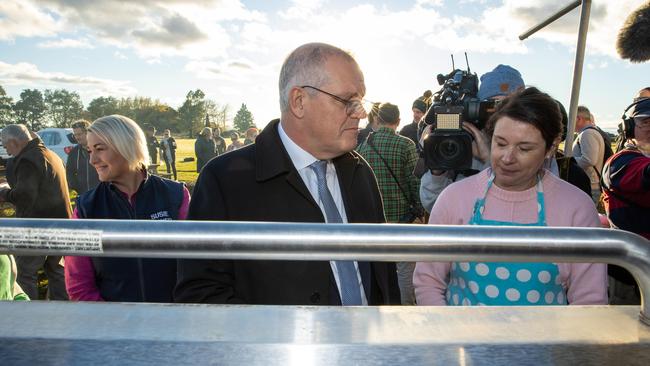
(634, 37)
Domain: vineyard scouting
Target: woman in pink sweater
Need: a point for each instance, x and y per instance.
(515, 191)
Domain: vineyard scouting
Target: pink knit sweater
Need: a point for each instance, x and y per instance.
(566, 205)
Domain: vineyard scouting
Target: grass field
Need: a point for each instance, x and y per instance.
(186, 170)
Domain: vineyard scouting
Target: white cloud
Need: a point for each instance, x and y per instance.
(232, 70)
(213, 29)
(429, 2)
(120, 55)
(26, 74)
(152, 28)
(301, 9)
(24, 19)
(597, 65)
(67, 43)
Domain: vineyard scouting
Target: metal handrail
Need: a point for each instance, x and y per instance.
(305, 241)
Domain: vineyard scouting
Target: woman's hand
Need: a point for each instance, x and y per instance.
(480, 144)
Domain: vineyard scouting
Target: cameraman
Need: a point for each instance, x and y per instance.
(496, 84)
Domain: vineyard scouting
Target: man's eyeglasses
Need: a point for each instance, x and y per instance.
(354, 108)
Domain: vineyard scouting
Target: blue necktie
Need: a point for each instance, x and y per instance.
(350, 290)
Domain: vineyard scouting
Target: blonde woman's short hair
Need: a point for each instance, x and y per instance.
(123, 135)
(205, 131)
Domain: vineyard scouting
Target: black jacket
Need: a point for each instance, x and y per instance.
(411, 131)
(38, 185)
(134, 279)
(81, 176)
(259, 183)
(205, 150)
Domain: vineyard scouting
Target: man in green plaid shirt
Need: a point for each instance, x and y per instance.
(399, 156)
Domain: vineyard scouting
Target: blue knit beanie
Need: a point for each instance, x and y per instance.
(503, 80)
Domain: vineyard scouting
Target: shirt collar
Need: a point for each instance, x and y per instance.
(299, 157)
(387, 130)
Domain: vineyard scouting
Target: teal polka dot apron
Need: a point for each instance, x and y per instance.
(505, 283)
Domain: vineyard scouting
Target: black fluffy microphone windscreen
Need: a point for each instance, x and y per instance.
(634, 37)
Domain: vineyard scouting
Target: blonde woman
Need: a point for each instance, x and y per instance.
(118, 151)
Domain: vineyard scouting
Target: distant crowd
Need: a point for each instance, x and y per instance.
(314, 164)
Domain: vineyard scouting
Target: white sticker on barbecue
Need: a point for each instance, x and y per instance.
(68, 240)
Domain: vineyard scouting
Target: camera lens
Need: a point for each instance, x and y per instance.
(449, 149)
(445, 150)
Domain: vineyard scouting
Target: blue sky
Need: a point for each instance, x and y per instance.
(233, 49)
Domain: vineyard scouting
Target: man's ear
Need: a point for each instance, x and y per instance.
(296, 102)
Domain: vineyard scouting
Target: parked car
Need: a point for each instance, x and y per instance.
(3, 153)
(59, 140)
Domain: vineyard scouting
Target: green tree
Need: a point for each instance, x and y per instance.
(143, 110)
(63, 107)
(7, 115)
(192, 112)
(30, 109)
(243, 119)
(102, 106)
(158, 115)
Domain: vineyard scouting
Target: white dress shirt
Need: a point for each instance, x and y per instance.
(301, 160)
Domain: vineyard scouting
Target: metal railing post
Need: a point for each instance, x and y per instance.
(583, 28)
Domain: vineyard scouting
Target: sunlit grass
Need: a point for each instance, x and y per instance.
(186, 170)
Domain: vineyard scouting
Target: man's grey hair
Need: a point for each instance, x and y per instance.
(304, 66)
(16, 132)
(584, 112)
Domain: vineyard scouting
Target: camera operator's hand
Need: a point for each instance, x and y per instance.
(480, 144)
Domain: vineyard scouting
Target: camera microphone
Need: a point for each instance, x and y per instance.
(634, 37)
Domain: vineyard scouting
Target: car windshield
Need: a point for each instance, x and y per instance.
(50, 137)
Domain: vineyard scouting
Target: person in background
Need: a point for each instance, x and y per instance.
(152, 144)
(392, 158)
(371, 126)
(219, 142)
(419, 108)
(502, 81)
(589, 149)
(9, 287)
(565, 167)
(118, 150)
(234, 142)
(38, 189)
(168, 152)
(81, 175)
(302, 168)
(251, 135)
(515, 191)
(204, 148)
(626, 182)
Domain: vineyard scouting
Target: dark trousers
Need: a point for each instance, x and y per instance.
(171, 167)
(27, 278)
